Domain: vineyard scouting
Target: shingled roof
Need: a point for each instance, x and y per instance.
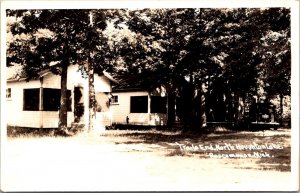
(132, 85)
(14, 73)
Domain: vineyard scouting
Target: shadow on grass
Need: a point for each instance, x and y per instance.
(280, 160)
(160, 137)
(165, 143)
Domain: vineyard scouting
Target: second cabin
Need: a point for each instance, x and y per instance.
(137, 106)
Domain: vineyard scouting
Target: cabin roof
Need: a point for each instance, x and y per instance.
(129, 87)
(14, 73)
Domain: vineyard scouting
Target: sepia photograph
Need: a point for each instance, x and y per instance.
(149, 97)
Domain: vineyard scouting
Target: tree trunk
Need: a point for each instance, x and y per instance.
(92, 100)
(203, 106)
(63, 118)
(197, 111)
(281, 109)
(230, 106)
(185, 106)
(236, 108)
(171, 110)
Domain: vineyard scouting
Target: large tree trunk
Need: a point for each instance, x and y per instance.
(281, 109)
(236, 107)
(171, 110)
(199, 106)
(92, 100)
(185, 106)
(63, 118)
(203, 106)
(198, 111)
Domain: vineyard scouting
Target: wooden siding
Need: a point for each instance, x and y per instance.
(49, 119)
(15, 115)
(121, 110)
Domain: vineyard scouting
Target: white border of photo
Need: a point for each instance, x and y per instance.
(137, 4)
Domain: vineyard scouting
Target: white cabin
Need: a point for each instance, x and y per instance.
(35, 103)
(139, 107)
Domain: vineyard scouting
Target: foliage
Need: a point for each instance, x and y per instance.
(212, 60)
(225, 49)
(56, 39)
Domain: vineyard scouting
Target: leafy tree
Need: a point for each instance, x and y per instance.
(73, 40)
(218, 48)
(276, 55)
(244, 44)
(182, 52)
(209, 58)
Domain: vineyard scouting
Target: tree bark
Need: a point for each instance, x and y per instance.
(185, 106)
(171, 110)
(92, 99)
(236, 108)
(63, 118)
(281, 109)
(203, 106)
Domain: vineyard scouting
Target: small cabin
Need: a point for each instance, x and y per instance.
(137, 106)
(35, 103)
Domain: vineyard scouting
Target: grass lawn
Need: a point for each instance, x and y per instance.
(149, 160)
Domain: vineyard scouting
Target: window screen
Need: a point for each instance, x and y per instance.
(31, 99)
(139, 104)
(158, 104)
(51, 99)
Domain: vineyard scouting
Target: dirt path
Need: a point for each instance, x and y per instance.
(108, 163)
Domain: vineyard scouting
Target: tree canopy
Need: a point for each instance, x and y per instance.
(235, 53)
(210, 59)
(55, 39)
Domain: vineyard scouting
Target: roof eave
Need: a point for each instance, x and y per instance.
(15, 80)
(107, 75)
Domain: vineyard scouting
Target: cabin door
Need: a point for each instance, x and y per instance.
(78, 105)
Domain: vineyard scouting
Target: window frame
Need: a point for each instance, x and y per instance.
(113, 101)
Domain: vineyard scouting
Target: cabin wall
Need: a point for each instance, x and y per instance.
(121, 110)
(16, 116)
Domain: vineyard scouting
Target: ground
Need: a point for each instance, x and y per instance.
(148, 160)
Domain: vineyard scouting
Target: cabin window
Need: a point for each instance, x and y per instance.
(158, 104)
(31, 99)
(51, 99)
(139, 104)
(114, 99)
(8, 93)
